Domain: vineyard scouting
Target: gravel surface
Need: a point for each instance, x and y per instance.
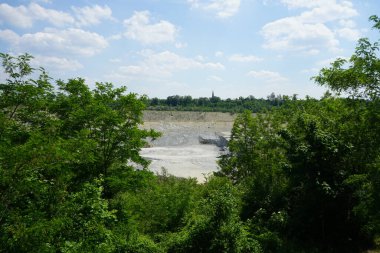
(179, 150)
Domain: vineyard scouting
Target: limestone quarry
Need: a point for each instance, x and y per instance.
(190, 142)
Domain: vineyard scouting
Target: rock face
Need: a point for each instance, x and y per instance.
(216, 139)
(180, 116)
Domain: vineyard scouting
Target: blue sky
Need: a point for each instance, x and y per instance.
(188, 47)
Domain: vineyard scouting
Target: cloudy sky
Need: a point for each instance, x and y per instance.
(188, 47)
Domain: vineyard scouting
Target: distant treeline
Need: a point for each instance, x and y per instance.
(214, 103)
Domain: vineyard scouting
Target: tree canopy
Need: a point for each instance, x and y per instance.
(302, 177)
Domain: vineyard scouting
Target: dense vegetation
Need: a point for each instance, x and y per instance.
(303, 177)
(216, 104)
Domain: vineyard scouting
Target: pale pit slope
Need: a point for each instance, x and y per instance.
(179, 150)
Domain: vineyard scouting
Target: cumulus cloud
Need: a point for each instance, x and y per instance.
(347, 33)
(9, 36)
(17, 16)
(72, 40)
(24, 16)
(244, 58)
(348, 30)
(292, 34)
(329, 12)
(222, 8)
(92, 15)
(347, 23)
(267, 76)
(56, 63)
(313, 29)
(57, 18)
(139, 27)
(164, 64)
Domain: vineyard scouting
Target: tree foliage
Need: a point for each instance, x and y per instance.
(59, 150)
(213, 224)
(302, 177)
(309, 170)
(360, 75)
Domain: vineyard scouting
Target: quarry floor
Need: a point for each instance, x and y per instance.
(179, 150)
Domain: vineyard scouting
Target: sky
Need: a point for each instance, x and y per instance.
(188, 47)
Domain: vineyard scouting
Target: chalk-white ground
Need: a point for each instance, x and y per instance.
(179, 150)
(196, 161)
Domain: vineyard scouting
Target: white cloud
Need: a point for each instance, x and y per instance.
(323, 10)
(311, 31)
(313, 51)
(349, 33)
(305, 3)
(327, 62)
(222, 8)
(329, 12)
(265, 2)
(215, 78)
(219, 54)
(322, 64)
(140, 28)
(9, 36)
(92, 15)
(115, 37)
(24, 16)
(347, 23)
(348, 30)
(44, 1)
(56, 63)
(73, 41)
(200, 58)
(267, 76)
(163, 64)
(57, 18)
(311, 71)
(292, 34)
(115, 60)
(244, 58)
(180, 45)
(17, 16)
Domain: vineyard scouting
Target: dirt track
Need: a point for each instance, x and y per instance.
(179, 150)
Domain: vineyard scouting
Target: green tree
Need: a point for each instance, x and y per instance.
(160, 206)
(325, 158)
(108, 119)
(360, 75)
(254, 163)
(62, 156)
(251, 146)
(213, 225)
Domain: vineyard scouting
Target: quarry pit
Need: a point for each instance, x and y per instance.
(190, 144)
